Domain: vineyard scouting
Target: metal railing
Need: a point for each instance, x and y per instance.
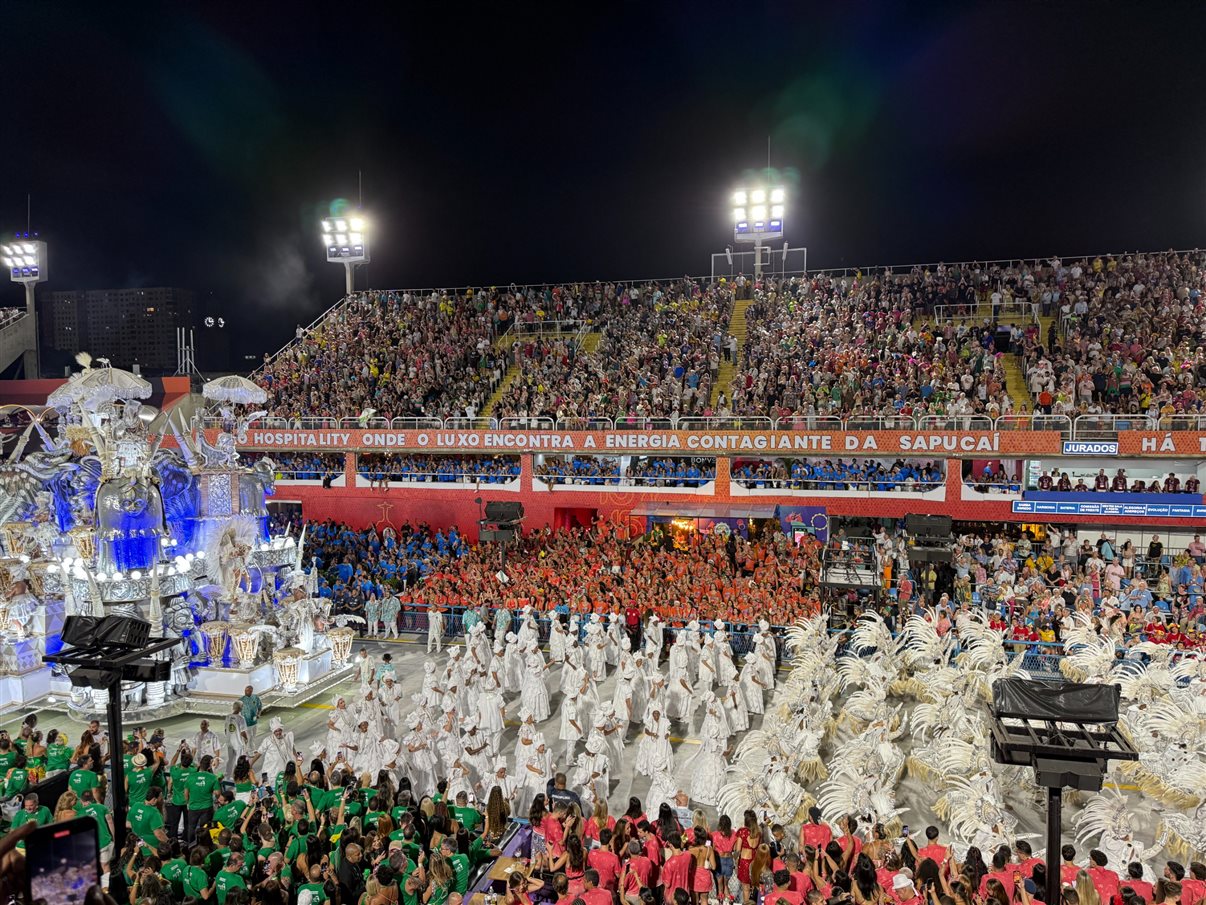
(1082, 427)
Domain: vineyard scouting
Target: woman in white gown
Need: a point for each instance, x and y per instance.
(571, 725)
(596, 649)
(491, 710)
(532, 693)
(735, 710)
(609, 727)
(765, 647)
(340, 724)
(524, 738)
(621, 698)
(573, 673)
(726, 671)
(556, 640)
(654, 752)
(640, 686)
(752, 686)
(612, 647)
(513, 658)
(432, 691)
(419, 754)
(591, 776)
(707, 767)
(678, 682)
(706, 677)
(535, 772)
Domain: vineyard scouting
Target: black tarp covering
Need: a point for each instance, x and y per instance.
(1069, 702)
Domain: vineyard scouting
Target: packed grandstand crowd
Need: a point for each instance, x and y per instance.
(1127, 338)
(824, 475)
(381, 468)
(667, 471)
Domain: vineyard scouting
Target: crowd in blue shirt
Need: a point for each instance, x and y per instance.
(299, 466)
(829, 474)
(423, 469)
(357, 565)
(671, 471)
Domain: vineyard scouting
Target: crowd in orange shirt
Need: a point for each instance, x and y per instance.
(599, 570)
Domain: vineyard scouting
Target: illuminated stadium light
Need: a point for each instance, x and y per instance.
(346, 242)
(763, 223)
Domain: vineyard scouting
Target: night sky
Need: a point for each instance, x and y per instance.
(516, 142)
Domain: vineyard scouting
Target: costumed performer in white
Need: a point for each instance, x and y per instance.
(707, 766)
(678, 681)
(276, 750)
(571, 725)
(654, 752)
(592, 773)
(533, 694)
(537, 770)
(435, 629)
(420, 755)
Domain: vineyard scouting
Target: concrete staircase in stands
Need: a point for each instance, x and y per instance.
(737, 327)
(590, 342)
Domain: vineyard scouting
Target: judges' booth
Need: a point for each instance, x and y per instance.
(679, 525)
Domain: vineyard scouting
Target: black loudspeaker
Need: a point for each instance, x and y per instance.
(123, 632)
(80, 631)
(502, 511)
(928, 525)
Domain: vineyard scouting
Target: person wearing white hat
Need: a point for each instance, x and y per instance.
(390, 696)
(611, 651)
(707, 664)
(571, 725)
(654, 636)
(707, 766)
(595, 649)
(591, 777)
(722, 651)
(529, 629)
(435, 628)
(692, 636)
(622, 695)
(767, 656)
(340, 723)
(477, 756)
(533, 694)
(421, 757)
(479, 644)
(513, 658)
(640, 685)
(654, 752)
(573, 673)
(524, 738)
(679, 704)
(736, 712)
(610, 730)
(276, 749)
(491, 710)
(752, 686)
(501, 777)
(535, 771)
(557, 639)
(432, 690)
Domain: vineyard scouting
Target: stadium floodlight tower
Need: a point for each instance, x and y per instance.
(346, 240)
(758, 217)
(26, 261)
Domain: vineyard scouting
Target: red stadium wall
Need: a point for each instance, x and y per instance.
(360, 507)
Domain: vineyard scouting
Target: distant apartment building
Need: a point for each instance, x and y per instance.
(126, 326)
